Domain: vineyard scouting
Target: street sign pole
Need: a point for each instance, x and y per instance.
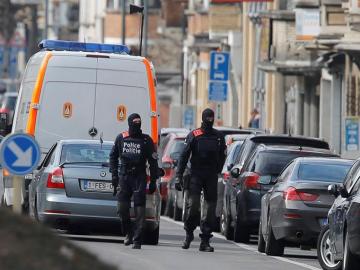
(17, 184)
(19, 155)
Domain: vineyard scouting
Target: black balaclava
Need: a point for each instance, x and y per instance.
(134, 128)
(207, 124)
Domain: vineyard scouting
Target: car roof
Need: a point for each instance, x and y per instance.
(319, 160)
(78, 141)
(173, 130)
(292, 148)
(10, 94)
(289, 140)
(238, 130)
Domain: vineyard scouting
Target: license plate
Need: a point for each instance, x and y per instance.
(323, 222)
(97, 186)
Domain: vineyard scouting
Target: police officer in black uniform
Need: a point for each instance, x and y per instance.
(207, 147)
(134, 149)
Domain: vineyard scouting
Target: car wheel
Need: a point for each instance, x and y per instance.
(163, 207)
(169, 208)
(261, 241)
(152, 237)
(273, 247)
(241, 233)
(36, 214)
(325, 256)
(350, 261)
(177, 210)
(226, 229)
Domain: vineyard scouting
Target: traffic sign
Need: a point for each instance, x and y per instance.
(218, 91)
(19, 154)
(219, 66)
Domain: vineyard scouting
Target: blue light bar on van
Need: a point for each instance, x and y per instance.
(62, 45)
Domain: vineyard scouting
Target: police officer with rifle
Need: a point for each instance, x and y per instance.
(206, 146)
(133, 149)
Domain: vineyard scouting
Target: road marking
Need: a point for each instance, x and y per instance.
(252, 249)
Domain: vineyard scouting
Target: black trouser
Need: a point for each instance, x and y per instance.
(132, 185)
(207, 183)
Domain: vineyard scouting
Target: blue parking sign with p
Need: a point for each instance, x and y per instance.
(219, 66)
(19, 154)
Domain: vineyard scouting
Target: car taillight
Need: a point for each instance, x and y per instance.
(4, 110)
(292, 194)
(226, 176)
(251, 180)
(56, 179)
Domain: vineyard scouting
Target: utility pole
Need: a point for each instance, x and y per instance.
(146, 27)
(123, 18)
(46, 26)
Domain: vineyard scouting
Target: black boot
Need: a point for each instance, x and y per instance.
(136, 245)
(188, 239)
(205, 246)
(128, 240)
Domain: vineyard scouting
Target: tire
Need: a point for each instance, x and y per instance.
(350, 261)
(323, 251)
(241, 233)
(261, 241)
(177, 211)
(152, 237)
(36, 213)
(163, 207)
(226, 229)
(169, 208)
(273, 247)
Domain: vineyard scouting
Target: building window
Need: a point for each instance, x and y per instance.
(110, 4)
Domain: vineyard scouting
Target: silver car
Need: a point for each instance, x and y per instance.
(72, 189)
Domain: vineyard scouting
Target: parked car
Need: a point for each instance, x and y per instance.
(169, 159)
(295, 209)
(7, 109)
(232, 152)
(164, 139)
(179, 203)
(249, 182)
(339, 241)
(72, 188)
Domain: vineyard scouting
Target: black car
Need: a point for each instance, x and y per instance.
(249, 182)
(294, 210)
(339, 241)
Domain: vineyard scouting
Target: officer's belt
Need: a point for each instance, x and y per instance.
(134, 170)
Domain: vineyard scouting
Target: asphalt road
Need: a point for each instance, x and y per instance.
(169, 255)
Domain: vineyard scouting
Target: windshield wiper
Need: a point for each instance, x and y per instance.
(103, 164)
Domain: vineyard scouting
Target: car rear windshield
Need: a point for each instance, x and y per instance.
(272, 163)
(85, 153)
(323, 172)
(176, 149)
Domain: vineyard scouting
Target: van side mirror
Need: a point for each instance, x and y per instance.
(333, 190)
(235, 172)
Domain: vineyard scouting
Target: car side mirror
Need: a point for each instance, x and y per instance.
(230, 166)
(161, 172)
(343, 192)
(235, 172)
(333, 190)
(265, 180)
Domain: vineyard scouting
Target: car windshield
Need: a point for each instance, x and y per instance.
(323, 172)
(176, 149)
(85, 153)
(272, 163)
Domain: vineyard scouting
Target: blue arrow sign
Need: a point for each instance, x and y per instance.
(19, 154)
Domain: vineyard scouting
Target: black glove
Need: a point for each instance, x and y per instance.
(152, 187)
(115, 183)
(179, 183)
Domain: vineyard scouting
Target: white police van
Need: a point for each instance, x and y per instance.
(74, 90)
